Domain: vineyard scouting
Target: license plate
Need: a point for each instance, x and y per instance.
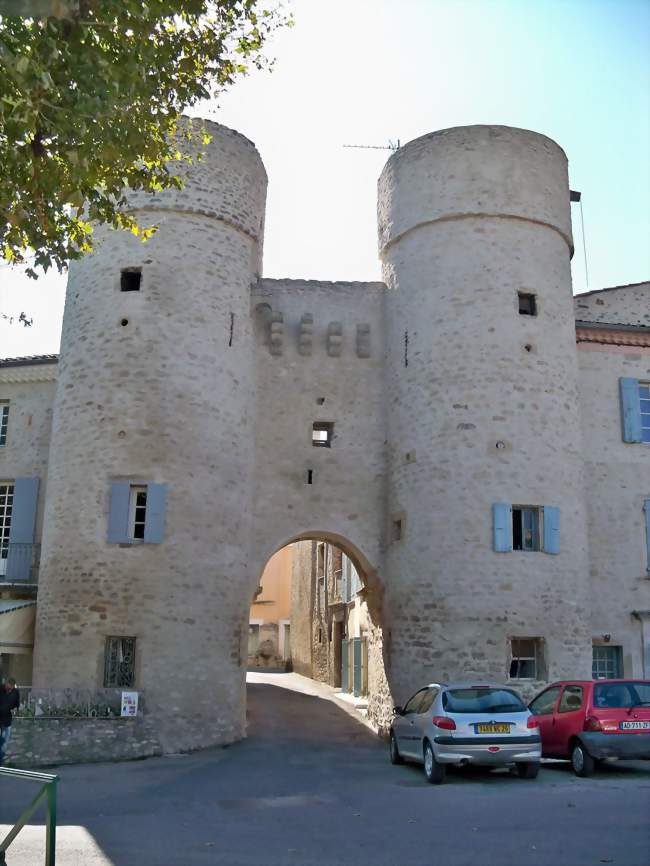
(635, 726)
(486, 728)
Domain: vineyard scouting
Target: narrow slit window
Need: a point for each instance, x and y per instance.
(322, 434)
(4, 422)
(527, 304)
(137, 512)
(130, 279)
(525, 527)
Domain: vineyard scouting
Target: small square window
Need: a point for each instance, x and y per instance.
(119, 662)
(607, 662)
(525, 659)
(525, 527)
(130, 279)
(527, 304)
(322, 434)
(4, 422)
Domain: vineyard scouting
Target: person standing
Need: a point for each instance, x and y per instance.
(9, 701)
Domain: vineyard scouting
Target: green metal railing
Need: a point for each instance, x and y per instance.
(48, 793)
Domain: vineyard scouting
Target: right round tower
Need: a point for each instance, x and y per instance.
(486, 569)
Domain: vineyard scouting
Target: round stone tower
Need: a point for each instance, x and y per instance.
(147, 524)
(482, 405)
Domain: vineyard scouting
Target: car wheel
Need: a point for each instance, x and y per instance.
(581, 761)
(528, 769)
(434, 771)
(395, 757)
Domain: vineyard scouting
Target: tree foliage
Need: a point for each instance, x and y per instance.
(90, 97)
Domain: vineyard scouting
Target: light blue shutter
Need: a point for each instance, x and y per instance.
(646, 508)
(23, 523)
(345, 666)
(356, 662)
(502, 527)
(630, 409)
(118, 514)
(551, 529)
(154, 526)
(345, 579)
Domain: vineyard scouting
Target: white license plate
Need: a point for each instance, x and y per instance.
(635, 726)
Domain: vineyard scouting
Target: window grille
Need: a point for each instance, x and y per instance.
(119, 662)
(4, 422)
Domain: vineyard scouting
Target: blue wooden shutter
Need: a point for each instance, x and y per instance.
(154, 526)
(646, 508)
(23, 523)
(551, 529)
(118, 514)
(630, 409)
(356, 649)
(502, 527)
(345, 666)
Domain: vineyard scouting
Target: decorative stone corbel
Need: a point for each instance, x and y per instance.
(306, 335)
(334, 339)
(276, 333)
(363, 341)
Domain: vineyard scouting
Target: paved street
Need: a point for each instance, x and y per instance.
(312, 785)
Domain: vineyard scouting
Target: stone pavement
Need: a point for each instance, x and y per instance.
(312, 786)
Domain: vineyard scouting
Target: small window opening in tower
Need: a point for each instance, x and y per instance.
(322, 434)
(527, 304)
(130, 279)
(398, 529)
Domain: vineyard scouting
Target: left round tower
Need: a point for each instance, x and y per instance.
(144, 573)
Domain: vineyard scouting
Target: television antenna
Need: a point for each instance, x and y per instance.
(392, 145)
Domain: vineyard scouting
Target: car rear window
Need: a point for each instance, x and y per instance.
(620, 695)
(477, 700)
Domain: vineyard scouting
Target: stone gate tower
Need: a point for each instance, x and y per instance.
(483, 414)
(156, 397)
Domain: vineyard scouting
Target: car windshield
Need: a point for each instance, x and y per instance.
(623, 695)
(482, 700)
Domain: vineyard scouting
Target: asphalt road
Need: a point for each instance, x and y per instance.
(312, 786)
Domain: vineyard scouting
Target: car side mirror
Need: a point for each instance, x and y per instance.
(399, 711)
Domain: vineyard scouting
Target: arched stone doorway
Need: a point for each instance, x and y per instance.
(335, 619)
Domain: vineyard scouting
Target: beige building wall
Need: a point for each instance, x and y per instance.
(270, 614)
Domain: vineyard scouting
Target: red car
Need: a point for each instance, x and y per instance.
(590, 720)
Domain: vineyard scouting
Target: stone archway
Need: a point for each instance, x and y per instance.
(332, 613)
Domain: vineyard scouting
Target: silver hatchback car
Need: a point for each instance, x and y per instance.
(466, 723)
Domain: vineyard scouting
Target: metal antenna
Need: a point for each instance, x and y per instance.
(574, 195)
(392, 145)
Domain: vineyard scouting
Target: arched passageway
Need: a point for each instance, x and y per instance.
(316, 611)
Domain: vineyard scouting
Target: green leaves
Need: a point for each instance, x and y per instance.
(90, 99)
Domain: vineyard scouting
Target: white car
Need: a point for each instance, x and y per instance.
(466, 723)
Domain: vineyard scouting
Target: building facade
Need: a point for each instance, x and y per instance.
(473, 438)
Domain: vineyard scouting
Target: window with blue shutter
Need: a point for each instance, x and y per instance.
(154, 526)
(631, 409)
(646, 508)
(137, 513)
(551, 529)
(23, 524)
(502, 527)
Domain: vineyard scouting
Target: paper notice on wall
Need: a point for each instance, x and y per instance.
(129, 704)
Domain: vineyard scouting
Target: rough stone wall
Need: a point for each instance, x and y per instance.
(166, 397)
(302, 602)
(468, 218)
(617, 482)
(622, 305)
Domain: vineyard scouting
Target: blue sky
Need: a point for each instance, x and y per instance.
(366, 71)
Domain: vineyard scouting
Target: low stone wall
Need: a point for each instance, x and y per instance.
(71, 726)
(43, 742)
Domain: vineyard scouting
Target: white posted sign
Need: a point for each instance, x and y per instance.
(129, 704)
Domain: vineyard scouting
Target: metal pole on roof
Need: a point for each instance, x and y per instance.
(576, 196)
